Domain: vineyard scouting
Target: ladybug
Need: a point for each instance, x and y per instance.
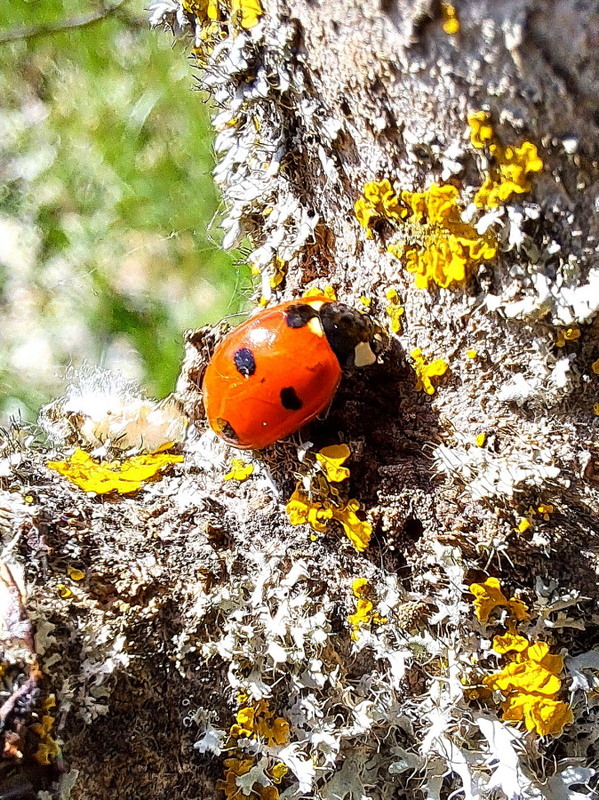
(280, 369)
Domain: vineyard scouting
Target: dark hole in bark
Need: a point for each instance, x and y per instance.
(413, 528)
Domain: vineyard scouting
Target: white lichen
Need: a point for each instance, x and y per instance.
(101, 411)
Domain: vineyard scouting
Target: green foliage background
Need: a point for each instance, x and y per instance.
(108, 239)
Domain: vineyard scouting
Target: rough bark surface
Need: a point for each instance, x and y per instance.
(197, 589)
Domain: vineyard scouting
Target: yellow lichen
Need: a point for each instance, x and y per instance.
(510, 642)
(316, 500)
(524, 525)
(254, 721)
(451, 23)
(435, 244)
(394, 309)
(481, 130)
(488, 596)
(446, 258)
(378, 202)
(509, 174)
(545, 509)
(425, 372)
(240, 470)
(278, 771)
(518, 609)
(358, 531)
(511, 167)
(258, 721)
(302, 509)
(361, 616)
(595, 367)
(75, 574)
(203, 10)
(480, 439)
(530, 684)
(564, 335)
(246, 13)
(215, 19)
(331, 460)
(359, 586)
(471, 353)
(438, 246)
(236, 767)
(243, 13)
(210, 16)
(529, 680)
(365, 613)
(317, 512)
(543, 715)
(279, 272)
(315, 291)
(48, 749)
(112, 476)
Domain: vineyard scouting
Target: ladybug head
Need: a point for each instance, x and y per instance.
(354, 338)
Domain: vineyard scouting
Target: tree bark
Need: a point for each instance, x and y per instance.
(198, 589)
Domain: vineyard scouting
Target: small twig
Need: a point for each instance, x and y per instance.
(15, 626)
(35, 31)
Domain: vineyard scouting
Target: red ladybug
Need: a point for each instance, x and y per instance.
(280, 369)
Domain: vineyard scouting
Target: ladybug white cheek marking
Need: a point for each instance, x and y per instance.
(315, 325)
(363, 355)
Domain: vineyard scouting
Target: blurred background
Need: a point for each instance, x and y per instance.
(108, 214)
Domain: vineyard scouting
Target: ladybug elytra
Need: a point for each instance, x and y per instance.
(280, 369)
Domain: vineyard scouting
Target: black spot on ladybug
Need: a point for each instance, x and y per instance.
(226, 431)
(300, 315)
(244, 361)
(290, 400)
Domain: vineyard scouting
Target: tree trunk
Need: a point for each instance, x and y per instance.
(204, 616)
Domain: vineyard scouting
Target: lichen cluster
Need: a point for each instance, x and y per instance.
(244, 773)
(250, 69)
(382, 739)
(529, 681)
(112, 476)
(317, 500)
(507, 171)
(365, 613)
(510, 167)
(215, 19)
(360, 684)
(433, 241)
(425, 372)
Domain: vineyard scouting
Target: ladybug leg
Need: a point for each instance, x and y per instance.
(326, 411)
(301, 443)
